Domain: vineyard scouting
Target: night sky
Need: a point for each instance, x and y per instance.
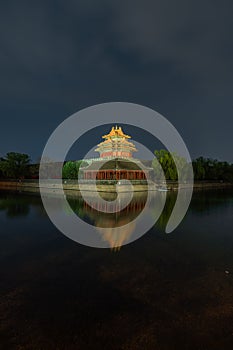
(57, 57)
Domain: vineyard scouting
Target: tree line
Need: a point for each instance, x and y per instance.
(18, 166)
(204, 169)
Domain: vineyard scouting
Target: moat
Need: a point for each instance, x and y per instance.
(159, 292)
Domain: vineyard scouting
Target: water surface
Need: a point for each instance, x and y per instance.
(160, 292)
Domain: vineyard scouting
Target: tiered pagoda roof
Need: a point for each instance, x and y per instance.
(116, 144)
(116, 132)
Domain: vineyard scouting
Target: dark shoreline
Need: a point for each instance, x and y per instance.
(33, 187)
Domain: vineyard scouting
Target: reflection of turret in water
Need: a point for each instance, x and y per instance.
(118, 235)
(99, 209)
(111, 225)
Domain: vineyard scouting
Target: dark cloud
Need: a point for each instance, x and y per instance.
(174, 56)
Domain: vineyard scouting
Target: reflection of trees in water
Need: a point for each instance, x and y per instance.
(204, 201)
(14, 206)
(168, 207)
(19, 205)
(76, 206)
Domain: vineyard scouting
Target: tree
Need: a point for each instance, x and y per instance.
(1, 172)
(165, 161)
(212, 169)
(71, 169)
(15, 165)
(199, 169)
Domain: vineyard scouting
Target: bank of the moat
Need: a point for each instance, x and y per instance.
(28, 186)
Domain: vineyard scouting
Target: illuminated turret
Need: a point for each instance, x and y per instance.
(116, 161)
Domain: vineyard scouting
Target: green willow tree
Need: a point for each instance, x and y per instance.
(71, 169)
(164, 163)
